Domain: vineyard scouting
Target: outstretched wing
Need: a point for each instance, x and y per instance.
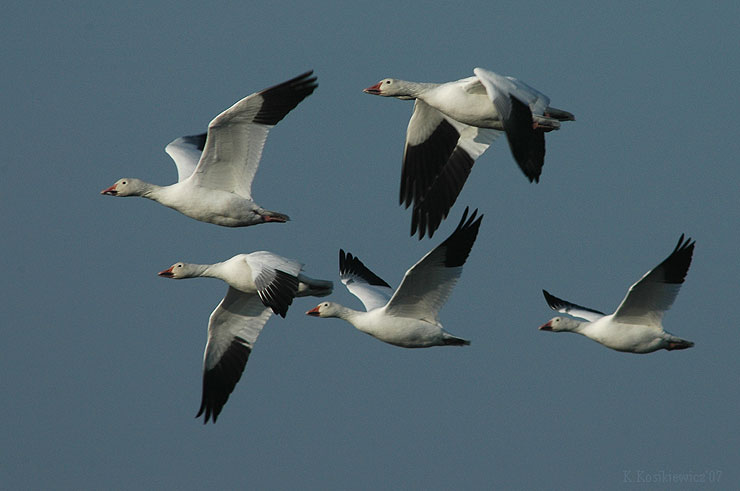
(515, 102)
(372, 291)
(438, 157)
(565, 307)
(232, 331)
(654, 293)
(429, 282)
(237, 136)
(186, 152)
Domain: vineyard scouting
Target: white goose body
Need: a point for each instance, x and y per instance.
(629, 338)
(452, 125)
(209, 205)
(399, 331)
(259, 283)
(407, 317)
(636, 326)
(216, 169)
(463, 100)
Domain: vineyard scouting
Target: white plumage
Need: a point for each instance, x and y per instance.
(407, 317)
(215, 185)
(259, 283)
(453, 124)
(637, 324)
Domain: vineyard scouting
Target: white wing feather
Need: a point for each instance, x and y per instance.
(186, 154)
(233, 149)
(238, 314)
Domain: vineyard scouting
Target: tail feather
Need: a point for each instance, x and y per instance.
(559, 114)
(451, 340)
(309, 287)
(678, 343)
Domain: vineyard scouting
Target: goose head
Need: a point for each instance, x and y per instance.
(389, 87)
(558, 324)
(177, 271)
(126, 186)
(324, 309)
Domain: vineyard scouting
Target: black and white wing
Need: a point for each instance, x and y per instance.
(493, 82)
(237, 136)
(372, 291)
(276, 279)
(654, 293)
(515, 102)
(186, 152)
(428, 284)
(232, 331)
(565, 307)
(438, 157)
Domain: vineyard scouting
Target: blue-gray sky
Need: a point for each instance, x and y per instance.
(101, 363)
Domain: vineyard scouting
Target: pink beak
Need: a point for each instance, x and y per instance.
(314, 311)
(546, 327)
(375, 89)
(167, 273)
(111, 191)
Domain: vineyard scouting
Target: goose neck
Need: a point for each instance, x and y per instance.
(417, 89)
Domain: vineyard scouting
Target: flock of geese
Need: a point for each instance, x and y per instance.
(451, 126)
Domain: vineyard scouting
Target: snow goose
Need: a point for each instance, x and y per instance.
(636, 325)
(453, 124)
(259, 283)
(216, 186)
(409, 318)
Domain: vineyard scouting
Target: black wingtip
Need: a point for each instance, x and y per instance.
(677, 264)
(280, 99)
(433, 200)
(471, 222)
(349, 264)
(299, 80)
(219, 381)
(461, 241)
(419, 224)
(686, 243)
(433, 174)
(553, 302)
(560, 305)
